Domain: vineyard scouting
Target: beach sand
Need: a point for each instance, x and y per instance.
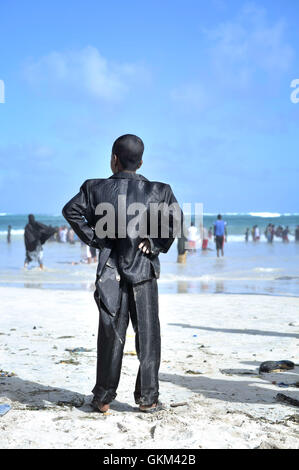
(222, 338)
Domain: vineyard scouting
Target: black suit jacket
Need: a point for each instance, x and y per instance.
(119, 257)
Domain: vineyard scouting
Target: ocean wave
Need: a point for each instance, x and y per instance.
(254, 214)
(214, 214)
(13, 232)
(264, 214)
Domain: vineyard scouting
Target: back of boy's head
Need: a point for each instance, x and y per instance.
(219, 216)
(129, 149)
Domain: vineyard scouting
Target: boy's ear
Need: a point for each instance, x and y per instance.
(139, 164)
(114, 163)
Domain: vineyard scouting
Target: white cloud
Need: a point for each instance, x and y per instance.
(250, 43)
(83, 73)
(244, 57)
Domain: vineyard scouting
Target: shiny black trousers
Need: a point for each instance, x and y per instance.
(140, 303)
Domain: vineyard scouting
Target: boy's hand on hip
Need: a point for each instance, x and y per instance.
(145, 246)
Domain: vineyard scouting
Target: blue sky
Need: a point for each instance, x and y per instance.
(206, 85)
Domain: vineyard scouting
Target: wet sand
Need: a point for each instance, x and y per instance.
(212, 346)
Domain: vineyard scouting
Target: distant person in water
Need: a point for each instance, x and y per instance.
(182, 248)
(35, 235)
(278, 231)
(269, 233)
(192, 237)
(205, 239)
(71, 236)
(285, 235)
(220, 233)
(246, 234)
(272, 232)
(256, 233)
(63, 234)
(210, 233)
(9, 234)
(297, 234)
(91, 254)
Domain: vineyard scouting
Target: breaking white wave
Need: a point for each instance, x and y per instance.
(265, 214)
(13, 232)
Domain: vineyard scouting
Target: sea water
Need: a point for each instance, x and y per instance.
(246, 268)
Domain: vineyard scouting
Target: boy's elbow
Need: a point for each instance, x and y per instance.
(65, 211)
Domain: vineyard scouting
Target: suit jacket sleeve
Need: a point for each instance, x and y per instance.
(78, 214)
(45, 232)
(162, 244)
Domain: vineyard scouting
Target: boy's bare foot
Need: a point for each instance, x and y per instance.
(102, 407)
(150, 408)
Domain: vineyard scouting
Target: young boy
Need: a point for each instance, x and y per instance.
(128, 268)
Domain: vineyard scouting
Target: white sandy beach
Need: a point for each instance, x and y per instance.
(224, 337)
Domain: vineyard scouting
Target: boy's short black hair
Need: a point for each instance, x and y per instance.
(219, 216)
(129, 149)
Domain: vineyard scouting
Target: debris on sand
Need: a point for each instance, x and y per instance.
(281, 397)
(78, 350)
(276, 366)
(65, 337)
(193, 372)
(69, 361)
(175, 405)
(4, 409)
(75, 402)
(4, 373)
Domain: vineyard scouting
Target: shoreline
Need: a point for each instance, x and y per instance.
(73, 288)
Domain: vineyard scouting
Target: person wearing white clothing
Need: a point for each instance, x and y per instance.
(192, 237)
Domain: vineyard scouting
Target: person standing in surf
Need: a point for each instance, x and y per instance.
(35, 235)
(220, 234)
(9, 234)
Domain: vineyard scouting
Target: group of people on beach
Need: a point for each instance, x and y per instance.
(64, 234)
(219, 231)
(270, 232)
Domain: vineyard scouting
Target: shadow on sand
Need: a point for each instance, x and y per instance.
(243, 391)
(237, 331)
(34, 396)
